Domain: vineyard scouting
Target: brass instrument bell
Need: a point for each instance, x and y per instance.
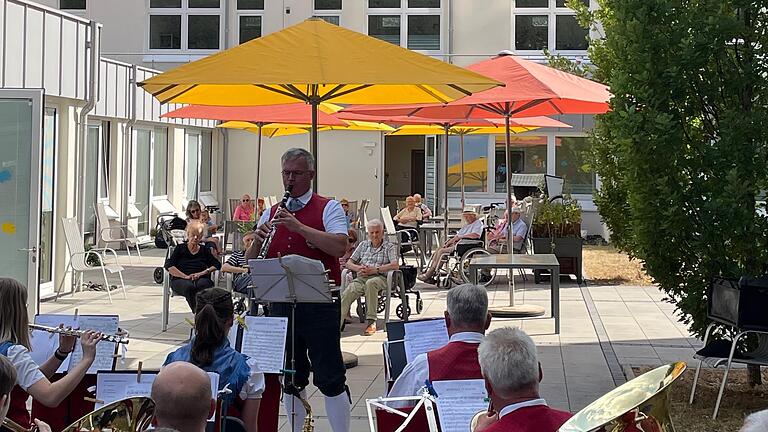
(127, 415)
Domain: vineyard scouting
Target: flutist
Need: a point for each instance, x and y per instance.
(31, 379)
(314, 227)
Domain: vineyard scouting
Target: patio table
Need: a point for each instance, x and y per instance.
(427, 229)
(512, 262)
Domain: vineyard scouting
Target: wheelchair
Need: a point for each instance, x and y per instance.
(454, 268)
(408, 273)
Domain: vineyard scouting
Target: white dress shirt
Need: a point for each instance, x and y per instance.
(415, 373)
(514, 407)
(334, 219)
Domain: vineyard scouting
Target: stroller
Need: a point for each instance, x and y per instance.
(166, 237)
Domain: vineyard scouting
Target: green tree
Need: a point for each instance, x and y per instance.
(683, 153)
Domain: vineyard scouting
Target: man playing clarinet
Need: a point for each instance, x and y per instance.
(314, 227)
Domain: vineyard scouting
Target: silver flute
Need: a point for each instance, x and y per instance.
(267, 241)
(69, 331)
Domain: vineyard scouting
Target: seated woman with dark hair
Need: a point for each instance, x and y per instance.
(210, 351)
(191, 265)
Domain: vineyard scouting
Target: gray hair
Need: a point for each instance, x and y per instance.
(297, 153)
(756, 422)
(468, 304)
(508, 361)
(375, 222)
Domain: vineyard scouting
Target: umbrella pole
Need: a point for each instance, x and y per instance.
(445, 192)
(461, 146)
(512, 310)
(314, 102)
(258, 160)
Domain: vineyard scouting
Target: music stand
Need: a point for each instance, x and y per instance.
(292, 279)
(425, 399)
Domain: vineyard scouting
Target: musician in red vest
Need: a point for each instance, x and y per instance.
(314, 227)
(467, 319)
(512, 373)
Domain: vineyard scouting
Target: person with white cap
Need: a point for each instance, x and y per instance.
(473, 230)
(498, 237)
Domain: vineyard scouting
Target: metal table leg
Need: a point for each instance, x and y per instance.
(555, 286)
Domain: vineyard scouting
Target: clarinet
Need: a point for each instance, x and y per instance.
(268, 240)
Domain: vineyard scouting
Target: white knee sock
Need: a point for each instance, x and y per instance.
(338, 410)
(297, 419)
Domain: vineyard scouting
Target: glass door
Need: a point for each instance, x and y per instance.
(21, 113)
(48, 202)
(141, 173)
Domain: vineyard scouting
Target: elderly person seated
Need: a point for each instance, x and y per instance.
(182, 396)
(473, 230)
(348, 214)
(511, 369)
(237, 264)
(467, 319)
(498, 236)
(426, 213)
(371, 261)
(190, 265)
(409, 216)
(244, 211)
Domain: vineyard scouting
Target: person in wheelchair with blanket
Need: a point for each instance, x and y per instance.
(473, 230)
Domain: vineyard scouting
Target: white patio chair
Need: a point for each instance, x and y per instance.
(389, 227)
(78, 258)
(115, 233)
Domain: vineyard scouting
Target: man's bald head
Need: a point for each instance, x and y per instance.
(182, 395)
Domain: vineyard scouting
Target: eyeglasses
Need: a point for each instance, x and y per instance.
(245, 200)
(344, 205)
(295, 173)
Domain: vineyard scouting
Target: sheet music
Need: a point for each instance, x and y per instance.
(271, 284)
(264, 341)
(458, 401)
(105, 351)
(114, 386)
(423, 336)
(44, 344)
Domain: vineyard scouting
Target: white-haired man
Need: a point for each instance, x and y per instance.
(182, 395)
(467, 319)
(756, 422)
(371, 261)
(472, 230)
(512, 372)
(426, 213)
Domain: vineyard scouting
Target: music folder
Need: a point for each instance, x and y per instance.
(405, 340)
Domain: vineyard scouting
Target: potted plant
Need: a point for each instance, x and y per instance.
(557, 230)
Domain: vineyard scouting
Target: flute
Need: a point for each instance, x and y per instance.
(69, 331)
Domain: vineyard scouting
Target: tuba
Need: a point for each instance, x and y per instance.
(638, 405)
(127, 415)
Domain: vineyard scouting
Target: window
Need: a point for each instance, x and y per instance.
(185, 25)
(332, 19)
(528, 154)
(327, 4)
(250, 27)
(475, 163)
(141, 178)
(572, 163)
(191, 165)
(206, 151)
(104, 158)
(47, 208)
(414, 24)
(548, 24)
(72, 4)
(250, 4)
(160, 162)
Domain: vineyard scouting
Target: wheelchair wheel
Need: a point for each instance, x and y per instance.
(157, 275)
(399, 311)
(486, 277)
(381, 305)
(419, 305)
(361, 311)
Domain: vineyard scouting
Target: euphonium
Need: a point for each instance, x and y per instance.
(267, 241)
(15, 427)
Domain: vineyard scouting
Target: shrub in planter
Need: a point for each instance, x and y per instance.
(557, 229)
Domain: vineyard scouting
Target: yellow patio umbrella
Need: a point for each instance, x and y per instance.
(273, 130)
(315, 62)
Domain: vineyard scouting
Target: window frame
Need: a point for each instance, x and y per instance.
(405, 12)
(185, 12)
(552, 11)
(248, 13)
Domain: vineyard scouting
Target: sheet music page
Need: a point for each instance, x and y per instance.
(44, 344)
(423, 336)
(105, 351)
(458, 401)
(215, 391)
(111, 386)
(264, 341)
(271, 284)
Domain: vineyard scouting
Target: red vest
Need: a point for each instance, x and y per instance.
(454, 361)
(18, 411)
(537, 418)
(287, 243)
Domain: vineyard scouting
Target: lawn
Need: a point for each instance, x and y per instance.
(739, 400)
(604, 265)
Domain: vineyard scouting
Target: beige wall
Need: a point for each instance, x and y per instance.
(484, 35)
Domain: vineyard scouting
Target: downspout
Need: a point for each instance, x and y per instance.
(82, 127)
(449, 41)
(127, 139)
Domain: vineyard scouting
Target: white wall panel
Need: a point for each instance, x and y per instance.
(69, 75)
(82, 63)
(33, 53)
(121, 91)
(14, 46)
(52, 50)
